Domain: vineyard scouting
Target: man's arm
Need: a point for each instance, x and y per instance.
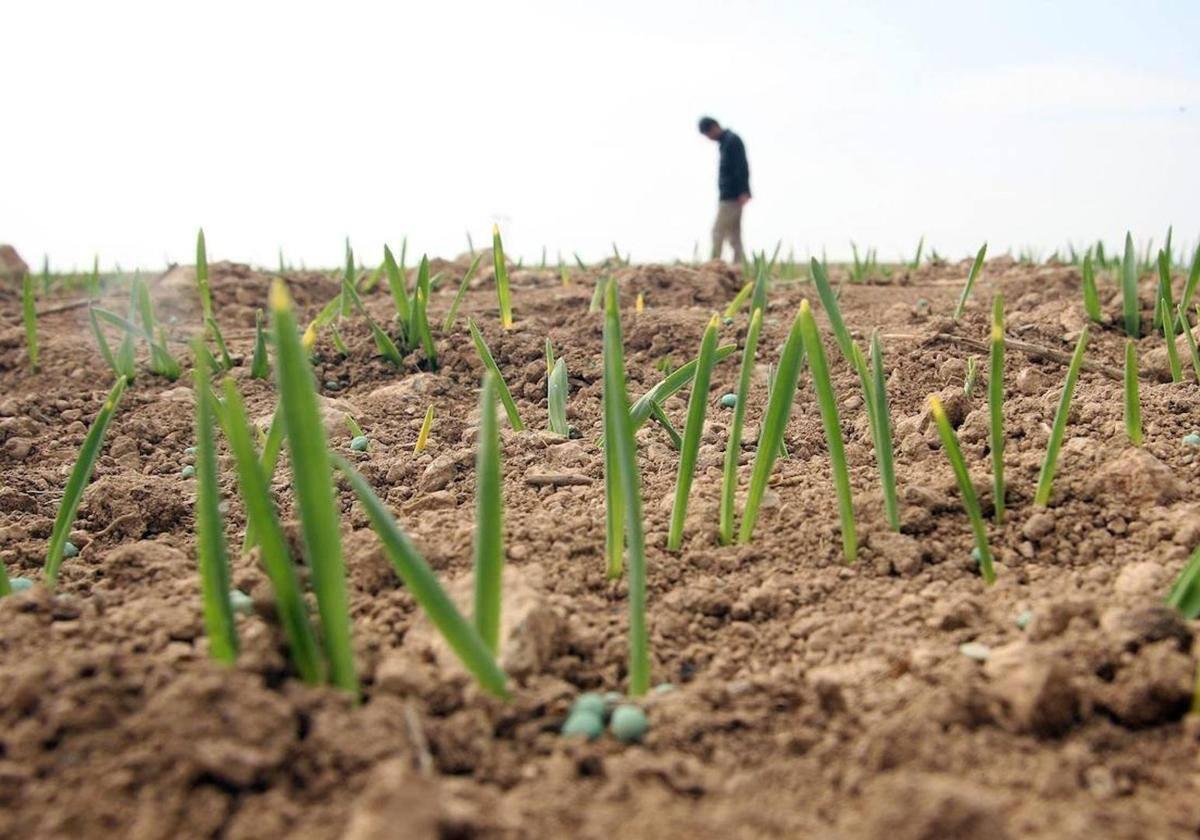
(743, 173)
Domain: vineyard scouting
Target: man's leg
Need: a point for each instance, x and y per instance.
(735, 232)
(718, 232)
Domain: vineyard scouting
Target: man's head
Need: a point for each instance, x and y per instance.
(710, 128)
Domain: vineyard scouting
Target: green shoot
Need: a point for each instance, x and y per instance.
(1164, 287)
(313, 487)
(383, 342)
(739, 300)
(458, 296)
(489, 363)
(827, 401)
(398, 285)
(733, 446)
(202, 277)
(1185, 593)
(420, 580)
(624, 460)
(210, 526)
(660, 417)
(489, 520)
(500, 268)
(272, 442)
(29, 311)
(692, 431)
(81, 474)
(916, 261)
(1186, 328)
(1046, 476)
(222, 348)
(966, 292)
(1167, 320)
(1189, 288)
(423, 435)
(102, 342)
(829, 302)
(996, 406)
(666, 387)
(335, 336)
(779, 410)
(556, 398)
(971, 377)
(353, 428)
(263, 520)
(1129, 296)
(884, 452)
(419, 333)
(1091, 298)
(1133, 402)
(598, 295)
(970, 501)
(783, 450)
(260, 364)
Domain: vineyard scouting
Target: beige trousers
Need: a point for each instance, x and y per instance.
(728, 226)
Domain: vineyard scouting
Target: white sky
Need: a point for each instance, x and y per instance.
(292, 125)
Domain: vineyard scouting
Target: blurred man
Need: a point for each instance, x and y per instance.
(733, 183)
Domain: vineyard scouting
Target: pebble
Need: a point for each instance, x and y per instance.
(20, 584)
(975, 650)
(70, 549)
(589, 701)
(612, 699)
(188, 471)
(729, 400)
(1192, 439)
(191, 450)
(583, 722)
(628, 723)
(359, 444)
(240, 602)
(1038, 526)
(663, 688)
(332, 385)
(1023, 619)
(727, 321)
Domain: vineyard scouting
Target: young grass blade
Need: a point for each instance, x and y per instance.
(222, 348)
(353, 428)
(324, 318)
(830, 304)
(739, 300)
(970, 501)
(966, 292)
(1129, 294)
(398, 285)
(500, 267)
(598, 295)
(260, 364)
(556, 398)
(102, 342)
(459, 633)
(1167, 320)
(779, 409)
(29, 311)
(578, 261)
(1091, 298)
(202, 276)
(261, 517)
(827, 401)
(1133, 402)
(271, 445)
(383, 342)
(733, 446)
(660, 417)
(81, 474)
(762, 279)
(614, 503)
(678, 378)
(996, 406)
(624, 459)
(423, 435)
(1164, 286)
(94, 279)
(1185, 593)
(458, 296)
(313, 487)
(1046, 477)
(489, 520)
(1186, 328)
(692, 431)
(335, 335)
(489, 363)
(127, 352)
(783, 450)
(971, 377)
(1189, 288)
(210, 526)
(421, 327)
(884, 452)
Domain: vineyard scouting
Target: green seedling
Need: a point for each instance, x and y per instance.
(733, 446)
(1133, 402)
(971, 377)
(1091, 298)
(556, 398)
(827, 402)
(1129, 284)
(1046, 476)
(692, 431)
(500, 267)
(313, 486)
(29, 312)
(81, 474)
(624, 460)
(423, 435)
(452, 315)
(976, 267)
(669, 385)
(996, 406)
(779, 409)
(598, 295)
(1164, 287)
(215, 331)
(970, 501)
(884, 451)
(398, 285)
(206, 305)
(660, 417)
(383, 342)
(489, 520)
(1186, 327)
(260, 364)
(460, 634)
(739, 300)
(1167, 320)
(489, 363)
(272, 443)
(1189, 287)
(210, 526)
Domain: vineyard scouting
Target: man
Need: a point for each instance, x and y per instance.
(733, 182)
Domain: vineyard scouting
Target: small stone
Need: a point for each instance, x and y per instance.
(191, 450)
(359, 444)
(20, 584)
(583, 722)
(1038, 527)
(332, 385)
(1023, 619)
(1192, 439)
(612, 699)
(628, 723)
(922, 308)
(727, 321)
(975, 650)
(589, 701)
(240, 602)
(663, 688)
(70, 549)
(729, 400)
(188, 471)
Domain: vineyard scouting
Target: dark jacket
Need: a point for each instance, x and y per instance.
(733, 175)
